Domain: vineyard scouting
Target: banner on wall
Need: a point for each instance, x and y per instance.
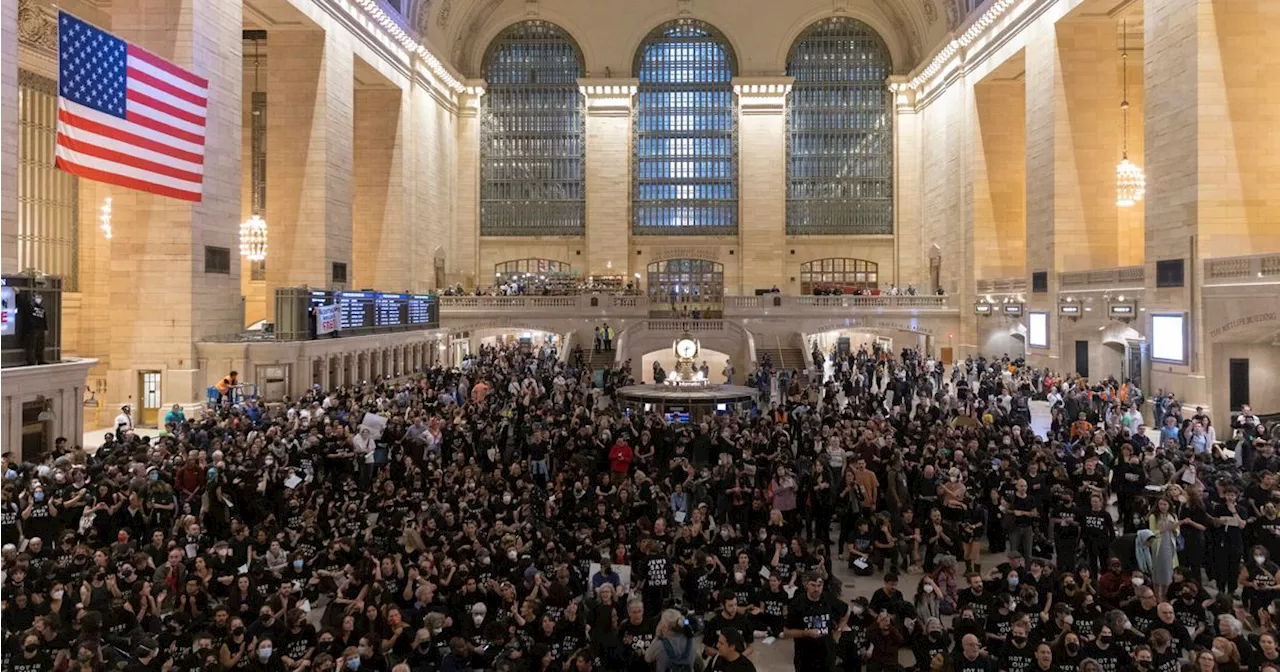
(326, 319)
(8, 311)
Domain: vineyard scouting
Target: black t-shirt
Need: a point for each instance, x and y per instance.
(821, 615)
(1026, 505)
(641, 635)
(41, 662)
(719, 623)
(981, 664)
(1017, 659)
(741, 664)
(1111, 659)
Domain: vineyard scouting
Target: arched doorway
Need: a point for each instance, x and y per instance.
(838, 275)
(686, 288)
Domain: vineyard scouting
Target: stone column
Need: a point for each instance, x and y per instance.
(382, 248)
(762, 180)
(325, 383)
(1211, 157)
(9, 137)
(1046, 143)
(162, 299)
(466, 227)
(608, 173)
(310, 84)
(911, 260)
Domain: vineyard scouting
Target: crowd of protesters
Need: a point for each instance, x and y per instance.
(504, 515)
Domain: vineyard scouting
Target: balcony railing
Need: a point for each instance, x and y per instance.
(1241, 269)
(1105, 278)
(747, 305)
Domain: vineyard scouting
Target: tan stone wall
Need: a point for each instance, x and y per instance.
(466, 267)
(161, 300)
(9, 136)
(999, 179)
(1239, 114)
(309, 161)
(608, 176)
(437, 186)
(382, 252)
(762, 194)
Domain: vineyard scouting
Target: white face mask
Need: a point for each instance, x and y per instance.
(856, 609)
(1137, 580)
(1259, 559)
(928, 587)
(478, 618)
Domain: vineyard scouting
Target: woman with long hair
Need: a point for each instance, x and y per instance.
(1164, 524)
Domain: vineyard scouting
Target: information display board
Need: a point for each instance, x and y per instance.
(374, 312)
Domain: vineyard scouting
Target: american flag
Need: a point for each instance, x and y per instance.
(128, 117)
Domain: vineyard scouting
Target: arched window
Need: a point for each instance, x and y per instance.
(686, 159)
(822, 276)
(532, 150)
(839, 131)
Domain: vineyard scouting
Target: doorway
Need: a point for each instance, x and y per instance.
(148, 398)
(1082, 358)
(686, 288)
(1238, 380)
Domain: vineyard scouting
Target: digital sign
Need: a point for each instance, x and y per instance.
(1038, 330)
(8, 312)
(376, 312)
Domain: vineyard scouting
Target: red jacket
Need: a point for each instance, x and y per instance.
(620, 458)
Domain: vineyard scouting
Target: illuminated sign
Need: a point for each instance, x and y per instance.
(8, 311)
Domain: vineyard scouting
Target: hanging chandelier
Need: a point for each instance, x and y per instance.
(1131, 184)
(253, 231)
(253, 238)
(104, 217)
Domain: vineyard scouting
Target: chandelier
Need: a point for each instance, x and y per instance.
(104, 217)
(253, 238)
(253, 231)
(1131, 184)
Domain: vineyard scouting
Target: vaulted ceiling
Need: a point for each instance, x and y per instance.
(609, 31)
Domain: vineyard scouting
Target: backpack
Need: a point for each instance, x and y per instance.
(682, 662)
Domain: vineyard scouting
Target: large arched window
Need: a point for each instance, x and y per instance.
(532, 150)
(686, 162)
(839, 131)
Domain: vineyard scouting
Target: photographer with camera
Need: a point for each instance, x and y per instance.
(672, 649)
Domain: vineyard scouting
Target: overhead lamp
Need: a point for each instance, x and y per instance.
(1131, 183)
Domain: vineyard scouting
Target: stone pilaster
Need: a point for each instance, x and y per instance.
(762, 180)
(310, 84)
(466, 232)
(382, 249)
(9, 136)
(911, 263)
(162, 300)
(1045, 144)
(608, 173)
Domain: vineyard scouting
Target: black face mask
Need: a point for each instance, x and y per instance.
(31, 648)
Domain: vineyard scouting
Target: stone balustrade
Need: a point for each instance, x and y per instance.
(1256, 268)
(1104, 278)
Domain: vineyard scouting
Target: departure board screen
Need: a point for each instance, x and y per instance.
(376, 312)
(356, 309)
